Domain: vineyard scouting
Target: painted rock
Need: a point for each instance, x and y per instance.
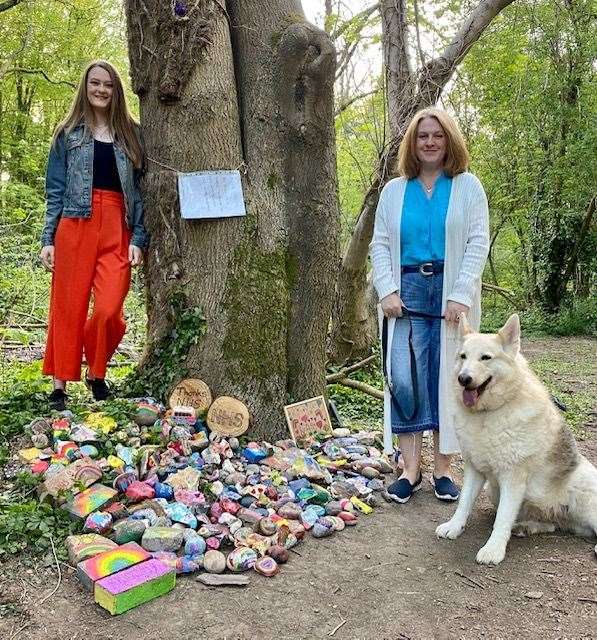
(267, 526)
(190, 498)
(229, 505)
(214, 562)
(323, 527)
(87, 545)
(250, 516)
(124, 480)
(290, 511)
(237, 478)
(162, 539)
(234, 443)
(241, 559)
(339, 524)
(213, 543)
(186, 479)
(89, 450)
(349, 518)
(341, 432)
(308, 518)
(278, 553)
(163, 490)
(241, 535)
(370, 473)
(98, 522)
(259, 543)
(117, 510)
(40, 440)
(146, 413)
(179, 512)
(138, 491)
(195, 546)
(266, 566)
(39, 467)
(333, 508)
(128, 531)
(290, 541)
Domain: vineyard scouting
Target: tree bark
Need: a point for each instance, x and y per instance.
(353, 327)
(238, 302)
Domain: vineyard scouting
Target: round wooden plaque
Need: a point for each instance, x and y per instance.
(228, 417)
(191, 393)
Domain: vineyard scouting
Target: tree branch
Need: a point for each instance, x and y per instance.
(8, 4)
(438, 71)
(358, 17)
(42, 73)
(334, 377)
(361, 386)
(586, 224)
(348, 103)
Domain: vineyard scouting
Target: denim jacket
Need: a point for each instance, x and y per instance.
(69, 180)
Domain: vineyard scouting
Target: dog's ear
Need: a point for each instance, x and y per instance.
(510, 335)
(464, 328)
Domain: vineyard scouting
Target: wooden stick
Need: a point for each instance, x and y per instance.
(590, 600)
(361, 386)
(338, 626)
(462, 575)
(59, 574)
(333, 377)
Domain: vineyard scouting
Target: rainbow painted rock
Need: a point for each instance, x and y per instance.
(110, 562)
(90, 500)
(266, 566)
(98, 522)
(241, 559)
(146, 413)
(86, 545)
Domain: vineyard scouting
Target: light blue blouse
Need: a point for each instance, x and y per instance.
(423, 221)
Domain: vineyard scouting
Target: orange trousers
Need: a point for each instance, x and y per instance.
(90, 256)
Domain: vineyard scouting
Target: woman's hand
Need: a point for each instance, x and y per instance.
(454, 310)
(391, 306)
(135, 255)
(47, 257)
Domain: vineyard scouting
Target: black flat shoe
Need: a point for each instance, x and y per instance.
(99, 388)
(57, 400)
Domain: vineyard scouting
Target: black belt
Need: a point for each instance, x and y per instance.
(425, 269)
(408, 314)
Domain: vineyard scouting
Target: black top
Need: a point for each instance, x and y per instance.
(105, 172)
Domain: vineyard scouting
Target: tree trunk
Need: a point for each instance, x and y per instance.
(238, 302)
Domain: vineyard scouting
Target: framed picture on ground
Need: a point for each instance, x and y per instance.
(308, 418)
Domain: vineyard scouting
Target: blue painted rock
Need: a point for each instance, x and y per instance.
(179, 512)
(195, 546)
(98, 522)
(163, 490)
(323, 527)
(89, 450)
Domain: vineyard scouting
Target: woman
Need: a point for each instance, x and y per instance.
(429, 248)
(94, 230)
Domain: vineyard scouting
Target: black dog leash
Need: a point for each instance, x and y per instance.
(408, 314)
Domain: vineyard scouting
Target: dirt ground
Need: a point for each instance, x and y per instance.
(388, 578)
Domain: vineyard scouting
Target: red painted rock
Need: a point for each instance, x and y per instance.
(138, 491)
(278, 553)
(349, 518)
(229, 505)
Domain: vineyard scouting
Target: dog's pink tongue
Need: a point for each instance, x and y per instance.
(469, 397)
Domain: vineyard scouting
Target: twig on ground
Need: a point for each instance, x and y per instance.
(297, 553)
(59, 574)
(361, 386)
(14, 634)
(589, 600)
(338, 626)
(475, 582)
(549, 560)
(385, 564)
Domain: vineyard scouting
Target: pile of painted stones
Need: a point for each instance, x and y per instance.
(172, 491)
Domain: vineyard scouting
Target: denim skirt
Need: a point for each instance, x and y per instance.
(418, 293)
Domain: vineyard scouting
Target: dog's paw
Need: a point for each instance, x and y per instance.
(451, 529)
(491, 553)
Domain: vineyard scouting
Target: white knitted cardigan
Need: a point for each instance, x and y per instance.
(467, 245)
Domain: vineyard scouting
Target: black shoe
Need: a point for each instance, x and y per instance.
(99, 388)
(57, 400)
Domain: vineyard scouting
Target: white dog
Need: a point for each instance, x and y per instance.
(514, 439)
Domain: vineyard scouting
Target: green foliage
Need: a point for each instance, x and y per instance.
(30, 525)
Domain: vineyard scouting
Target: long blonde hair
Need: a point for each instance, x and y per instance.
(121, 122)
(457, 158)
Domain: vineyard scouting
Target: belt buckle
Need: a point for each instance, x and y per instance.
(423, 271)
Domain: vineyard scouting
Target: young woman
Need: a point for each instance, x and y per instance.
(94, 230)
(429, 247)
